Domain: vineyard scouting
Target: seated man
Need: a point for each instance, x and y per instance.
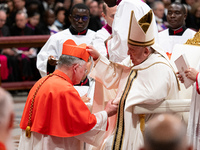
(54, 115)
(148, 76)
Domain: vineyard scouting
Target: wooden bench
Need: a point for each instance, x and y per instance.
(21, 41)
(12, 86)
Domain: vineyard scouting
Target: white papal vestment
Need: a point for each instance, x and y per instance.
(154, 81)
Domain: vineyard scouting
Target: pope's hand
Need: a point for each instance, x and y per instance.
(111, 108)
(93, 52)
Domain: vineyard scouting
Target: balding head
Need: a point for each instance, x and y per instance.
(165, 132)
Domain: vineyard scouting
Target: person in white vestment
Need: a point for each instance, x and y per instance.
(98, 42)
(79, 18)
(144, 77)
(117, 45)
(165, 132)
(177, 33)
(193, 129)
(6, 120)
(51, 51)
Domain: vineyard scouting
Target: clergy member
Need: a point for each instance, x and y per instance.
(78, 31)
(193, 129)
(54, 116)
(51, 51)
(144, 77)
(177, 33)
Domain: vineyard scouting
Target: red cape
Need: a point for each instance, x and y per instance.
(58, 109)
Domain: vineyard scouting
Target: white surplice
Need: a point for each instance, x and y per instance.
(39, 141)
(155, 82)
(193, 130)
(54, 47)
(167, 42)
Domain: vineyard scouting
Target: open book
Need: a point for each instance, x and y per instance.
(182, 64)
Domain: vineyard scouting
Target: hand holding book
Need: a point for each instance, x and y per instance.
(185, 73)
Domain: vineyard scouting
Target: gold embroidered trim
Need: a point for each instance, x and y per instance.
(119, 133)
(28, 128)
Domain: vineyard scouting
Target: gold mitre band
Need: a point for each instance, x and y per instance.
(144, 44)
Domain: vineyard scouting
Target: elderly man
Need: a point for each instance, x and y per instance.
(148, 76)
(177, 33)
(54, 116)
(165, 132)
(6, 120)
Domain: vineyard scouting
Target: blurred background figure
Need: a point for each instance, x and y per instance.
(49, 26)
(165, 132)
(95, 22)
(4, 31)
(100, 6)
(33, 21)
(105, 32)
(158, 9)
(6, 120)
(19, 5)
(26, 56)
(60, 18)
(193, 17)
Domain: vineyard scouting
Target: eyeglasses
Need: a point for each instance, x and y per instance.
(77, 18)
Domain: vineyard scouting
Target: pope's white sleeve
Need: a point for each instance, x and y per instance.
(107, 73)
(96, 134)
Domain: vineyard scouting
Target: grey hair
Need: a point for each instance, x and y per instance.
(69, 60)
(155, 4)
(21, 12)
(6, 106)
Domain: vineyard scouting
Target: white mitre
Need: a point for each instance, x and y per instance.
(141, 33)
